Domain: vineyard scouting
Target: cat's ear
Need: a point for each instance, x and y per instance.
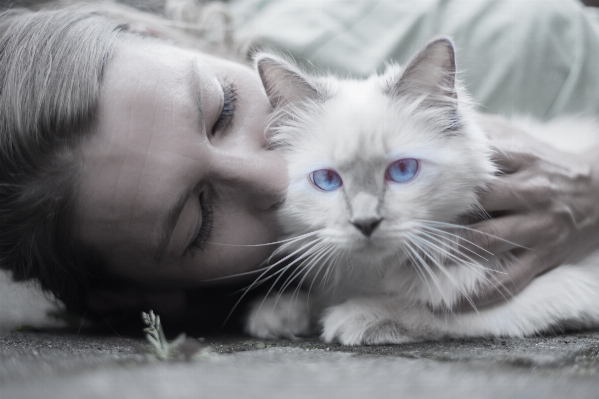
(283, 81)
(431, 72)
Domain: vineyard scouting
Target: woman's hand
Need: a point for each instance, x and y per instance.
(545, 208)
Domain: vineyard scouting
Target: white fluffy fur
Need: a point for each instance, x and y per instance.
(381, 289)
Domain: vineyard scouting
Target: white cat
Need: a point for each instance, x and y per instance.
(379, 170)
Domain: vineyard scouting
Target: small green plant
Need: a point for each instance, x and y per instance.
(161, 348)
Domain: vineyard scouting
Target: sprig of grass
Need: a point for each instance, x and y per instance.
(161, 348)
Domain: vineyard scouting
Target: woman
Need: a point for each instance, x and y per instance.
(127, 162)
(124, 156)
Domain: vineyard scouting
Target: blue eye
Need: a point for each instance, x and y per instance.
(402, 171)
(326, 179)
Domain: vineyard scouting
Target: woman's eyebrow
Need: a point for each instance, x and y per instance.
(168, 225)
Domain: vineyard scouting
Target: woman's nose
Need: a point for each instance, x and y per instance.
(258, 176)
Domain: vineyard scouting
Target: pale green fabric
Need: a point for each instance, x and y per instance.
(537, 57)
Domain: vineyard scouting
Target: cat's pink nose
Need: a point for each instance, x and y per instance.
(367, 225)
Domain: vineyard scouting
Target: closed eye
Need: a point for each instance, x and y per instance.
(200, 240)
(228, 108)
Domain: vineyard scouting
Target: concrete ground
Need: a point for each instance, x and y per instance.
(53, 362)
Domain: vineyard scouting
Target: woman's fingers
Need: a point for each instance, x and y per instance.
(500, 234)
(507, 160)
(544, 211)
(501, 195)
(511, 145)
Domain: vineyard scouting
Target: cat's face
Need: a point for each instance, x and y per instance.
(370, 162)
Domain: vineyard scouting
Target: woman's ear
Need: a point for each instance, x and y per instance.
(283, 81)
(431, 72)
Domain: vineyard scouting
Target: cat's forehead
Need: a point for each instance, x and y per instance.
(363, 124)
(361, 99)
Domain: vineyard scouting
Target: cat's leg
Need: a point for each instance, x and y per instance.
(288, 316)
(366, 321)
(565, 297)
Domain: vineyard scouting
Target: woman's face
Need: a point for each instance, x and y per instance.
(178, 166)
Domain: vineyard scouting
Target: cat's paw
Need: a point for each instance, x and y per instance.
(288, 317)
(362, 322)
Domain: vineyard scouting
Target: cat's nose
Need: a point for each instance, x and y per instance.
(365, 214)
(367, 225)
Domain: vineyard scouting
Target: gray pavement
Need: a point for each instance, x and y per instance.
(54, 362)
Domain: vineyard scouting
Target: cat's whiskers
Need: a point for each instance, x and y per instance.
(468, 260)
(258, 280)
(480, 212)
(417, 241)
(280, 273)
(440, 239)
(458, 226)
(426, 268)
(476, 268)
(330, 262)
(304, 267)
(378, 269)
(302, 254)
(318, 260)
(424, 237)
(438, 232)
(332, 266)
(497, 284)
(318, 252)
(418, 270)
(442, 251)
(458, 237)
(306, 271)
(325, 261)
(456, 242)
(289, 241)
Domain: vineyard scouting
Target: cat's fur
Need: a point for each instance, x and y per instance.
(389, 287)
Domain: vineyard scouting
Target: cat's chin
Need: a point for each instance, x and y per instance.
(371, 250)
(357, 244)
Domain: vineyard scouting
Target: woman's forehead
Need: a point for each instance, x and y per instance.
(140, 57)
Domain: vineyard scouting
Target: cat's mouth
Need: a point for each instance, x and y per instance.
(374, 243)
